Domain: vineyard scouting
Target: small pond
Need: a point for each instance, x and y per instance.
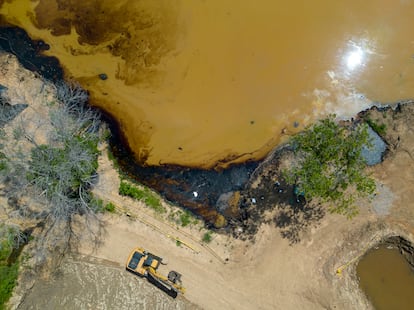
(387, 278)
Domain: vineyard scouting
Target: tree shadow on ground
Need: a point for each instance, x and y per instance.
(293, 220)
(274, 201)
(7, 111)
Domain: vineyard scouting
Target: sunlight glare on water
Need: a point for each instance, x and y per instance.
(354, 58)
(200, 83)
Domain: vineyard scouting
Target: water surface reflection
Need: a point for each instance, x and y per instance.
(201, 83)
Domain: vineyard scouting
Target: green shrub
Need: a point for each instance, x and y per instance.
(5, 250)
(378, 128)
(8, 270)
(126, 189)
(328, 162)
(207, 237)
(8, 280)
(58, 173)
(185, 218)
(142, 194)
(110, 207)
(3, 161)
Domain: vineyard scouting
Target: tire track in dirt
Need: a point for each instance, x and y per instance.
(164, 228)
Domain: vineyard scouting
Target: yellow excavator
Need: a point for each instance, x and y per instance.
(145, 264)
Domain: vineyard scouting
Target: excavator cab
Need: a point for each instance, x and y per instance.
(145, 264)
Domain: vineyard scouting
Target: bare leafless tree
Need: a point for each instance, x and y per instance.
(11, 236)
(71, 94)
(58, 174)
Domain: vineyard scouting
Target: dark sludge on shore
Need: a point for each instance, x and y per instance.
(243, 194)
(203, 192)
(197, 190)
(16, 41)
(222, 198)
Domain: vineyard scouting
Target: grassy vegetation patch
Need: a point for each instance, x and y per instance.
(3, 161)
(207, 237)
(8, 280)
(183, 218)
(110, 207)
(142, 194)
(9, 240)
(378, 128)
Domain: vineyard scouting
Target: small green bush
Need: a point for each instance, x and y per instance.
(207, 237)
(185, 218)
(110, 207)
(3, 161)
(126, 189)
(378, 128)
(142, 194)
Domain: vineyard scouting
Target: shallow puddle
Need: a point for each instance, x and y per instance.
(387, 279)
(198, 83)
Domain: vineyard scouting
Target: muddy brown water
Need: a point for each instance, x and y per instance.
(387, 279)
(201, 83)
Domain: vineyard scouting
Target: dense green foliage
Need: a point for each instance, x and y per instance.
(328, 163)
(378, 128)
(143, 194)
(9, 237)
(8, 280)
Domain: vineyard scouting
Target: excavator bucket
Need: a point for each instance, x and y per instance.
(162, 285)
